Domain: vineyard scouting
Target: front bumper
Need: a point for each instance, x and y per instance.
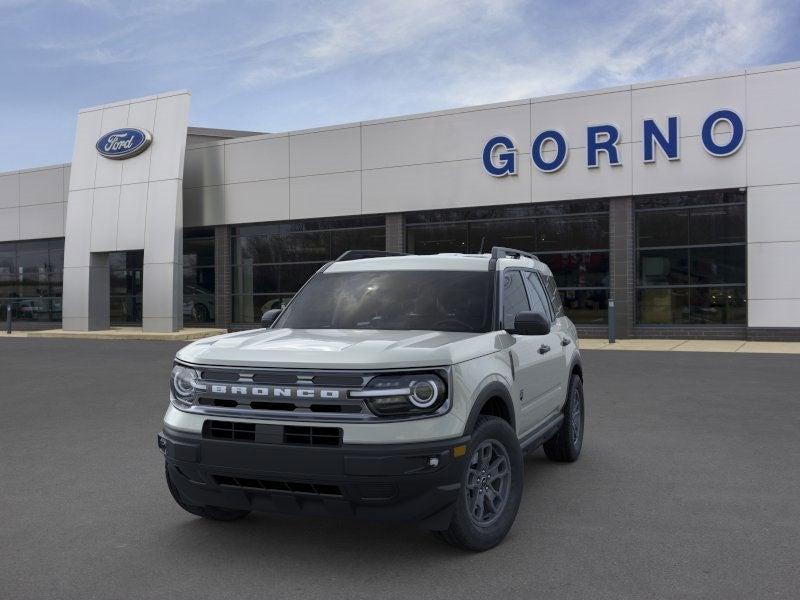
(417, 482)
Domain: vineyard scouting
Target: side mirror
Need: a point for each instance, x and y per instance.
(531, 323)
(269, 317)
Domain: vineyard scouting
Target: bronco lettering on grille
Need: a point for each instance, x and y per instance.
(275, 392)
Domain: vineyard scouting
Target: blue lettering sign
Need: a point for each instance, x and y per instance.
(561, 151)
(602, 138)
(507, 158)
(707, 134)
(500, 152)
(652, 135)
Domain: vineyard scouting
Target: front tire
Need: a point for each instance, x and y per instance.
(491, 488)
(215, 513)
(566, 444)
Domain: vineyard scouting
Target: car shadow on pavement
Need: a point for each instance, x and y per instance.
(279, 537)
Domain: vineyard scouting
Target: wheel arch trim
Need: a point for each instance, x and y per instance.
(493, 389)
(575, 363)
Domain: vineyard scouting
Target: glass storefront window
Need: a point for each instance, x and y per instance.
(126, 287)
(664, 267)
(691, 259)
(726, 224)
(249, 308)
(662, 228)
(433, 239)
(370, 238)
(510, 234)
(31, 279)
(586, 306)
(579, 269)
(663, 305)
(587, 232)
(572, 238)
(8, 258)
(718, 264)
(199, 281)
(198, 252)
(718, 306)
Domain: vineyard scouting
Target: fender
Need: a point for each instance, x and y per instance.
(493, 389)
(575, 362)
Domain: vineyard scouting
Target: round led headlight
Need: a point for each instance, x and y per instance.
(423, 393)
(182, 380)
(404, 394)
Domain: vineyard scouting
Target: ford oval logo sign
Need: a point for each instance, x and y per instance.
(123, 143)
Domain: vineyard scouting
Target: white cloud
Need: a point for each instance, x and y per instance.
(470, 52)
(142, 8)
(326, 38)
(674, 40)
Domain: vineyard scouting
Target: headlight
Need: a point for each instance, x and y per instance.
(184, 384)
(404, 395)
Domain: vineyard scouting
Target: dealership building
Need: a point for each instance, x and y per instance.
(677, 200)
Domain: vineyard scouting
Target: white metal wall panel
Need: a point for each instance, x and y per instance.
(341, 191)
(325, 151)
(773, 98)
(9, 223)
(9, 190)
(43, 186)
(259, 160)
(132, 204)
(443, 138)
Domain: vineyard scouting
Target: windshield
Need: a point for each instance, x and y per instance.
(434, 300)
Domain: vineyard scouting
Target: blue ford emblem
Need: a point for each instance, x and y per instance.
(123, 143)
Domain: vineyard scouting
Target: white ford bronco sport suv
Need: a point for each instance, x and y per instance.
(394, 387)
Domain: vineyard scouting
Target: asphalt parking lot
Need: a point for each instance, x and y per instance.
(688, 487)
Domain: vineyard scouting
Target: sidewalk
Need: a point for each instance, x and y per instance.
(693, 346)
(119, 333)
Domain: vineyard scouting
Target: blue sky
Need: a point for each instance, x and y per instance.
(277, 66)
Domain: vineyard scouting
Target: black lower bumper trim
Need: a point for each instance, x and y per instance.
(400, 482)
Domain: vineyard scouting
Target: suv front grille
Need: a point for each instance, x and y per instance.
(316, 489)
(352, 408)
(312, 436)
(303, 395)
(230, 430)
(287, 394)
(273, 434)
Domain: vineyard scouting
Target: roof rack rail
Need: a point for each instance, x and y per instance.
(500, 252)
(358, 254)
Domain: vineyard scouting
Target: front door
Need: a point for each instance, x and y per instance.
(556, 357)
(535, 358)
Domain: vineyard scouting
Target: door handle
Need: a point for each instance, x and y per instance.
(544, 349)
(565, 341)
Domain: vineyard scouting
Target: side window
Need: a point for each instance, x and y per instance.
(515, 299)
(552, 293)
(537, 295)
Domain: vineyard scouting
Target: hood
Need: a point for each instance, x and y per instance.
(339, 348)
